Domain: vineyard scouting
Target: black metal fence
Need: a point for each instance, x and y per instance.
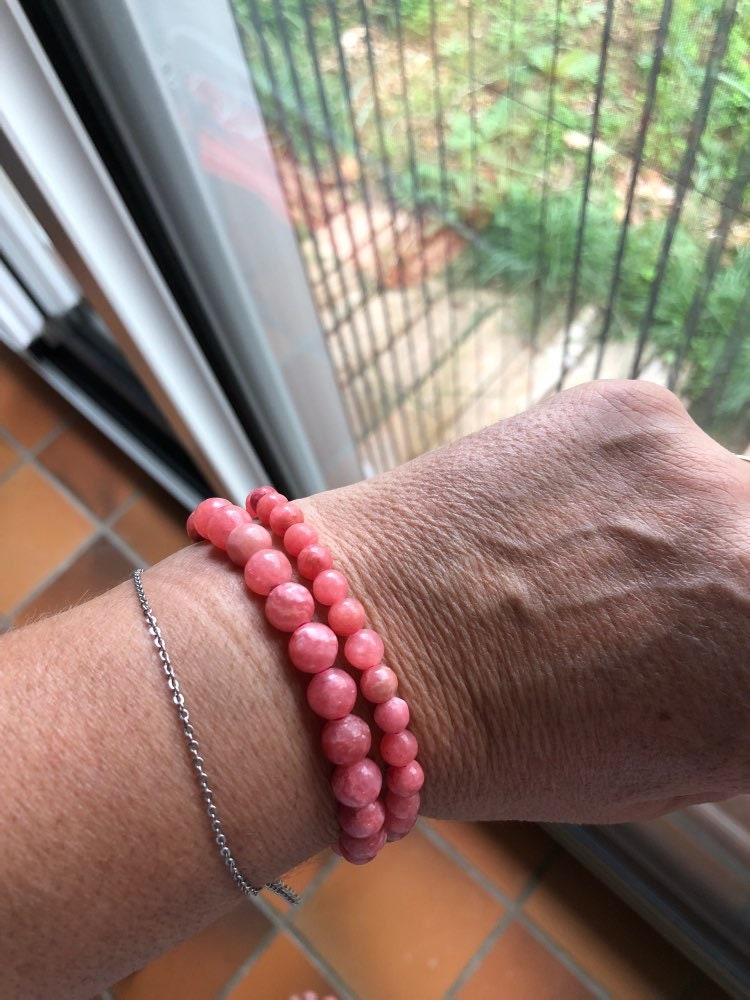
(496, 200)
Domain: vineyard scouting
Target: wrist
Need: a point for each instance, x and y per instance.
(405, 591)
(247, 707)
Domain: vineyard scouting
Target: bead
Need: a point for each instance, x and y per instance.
(222, 523)
(392, 716)
(297, 537)
(288, 606)
(405, 780)
(251, 500)
(364, 649)
(403, 806)
(266, 504)
(266, 570)
(354, 859)
(283, 516)
(331, 694)
(313, 647)
(346, 740)
(347, 616)
(247, 539)
(378, 684)
(398, 748)
(398, 825)
(362, 848)
(357, 784)
(192, 532)
(313, 559)
(203, 512)
(362, 822)
(330, 586)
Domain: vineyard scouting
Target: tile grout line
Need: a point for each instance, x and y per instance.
(260, 948)
(280, 920)
(103, 530)
(327, 869)
(479, 955)
(563, 957)
(511, 914)
(305, 946)
(40, 445)
(497, 932)
(25, 454)
(283, 925)
(104, 526)
(464, 864)
(515, 908)
(321, 964)
(48, 438)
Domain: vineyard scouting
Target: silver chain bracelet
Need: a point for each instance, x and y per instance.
(280, 888)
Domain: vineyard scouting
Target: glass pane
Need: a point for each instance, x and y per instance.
(495, 200)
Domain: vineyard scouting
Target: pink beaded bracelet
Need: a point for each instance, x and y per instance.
(371, 809)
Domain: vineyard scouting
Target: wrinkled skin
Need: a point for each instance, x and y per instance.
(566, 597)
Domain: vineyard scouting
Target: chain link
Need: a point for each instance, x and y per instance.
(280, 888)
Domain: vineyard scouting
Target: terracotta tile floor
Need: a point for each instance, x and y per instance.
(456, 910)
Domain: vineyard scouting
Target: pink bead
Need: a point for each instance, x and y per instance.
(346, 616)
(357, 784)
(378, 684)
(405, 780)
(331, 694)
(222, 523)
(313, 559)
(393, 715)
(398, 825)
(284, 515)
(266, 504)
(403, 806)
(266, 570)
(330, 586)
(251, 500)
(313, 647)
(288, 606)
(245, 540)
(297, 537)
(203, 512)
(364, 649)
(398, 748)
(192, 532)
(362, 822)
(361, 848)
(346, 740)
(355, 859)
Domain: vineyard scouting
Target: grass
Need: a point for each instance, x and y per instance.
(498, 120)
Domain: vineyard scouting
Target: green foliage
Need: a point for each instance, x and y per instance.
(503, 159)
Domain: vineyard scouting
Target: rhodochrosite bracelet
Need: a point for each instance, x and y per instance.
(371, 809)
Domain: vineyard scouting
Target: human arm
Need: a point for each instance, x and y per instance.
(547, 590)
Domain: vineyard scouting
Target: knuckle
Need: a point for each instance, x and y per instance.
(634, 398)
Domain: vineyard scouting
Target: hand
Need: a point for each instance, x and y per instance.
(566, 597)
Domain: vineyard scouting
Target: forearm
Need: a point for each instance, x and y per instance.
(108, 856)
(563, 596)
